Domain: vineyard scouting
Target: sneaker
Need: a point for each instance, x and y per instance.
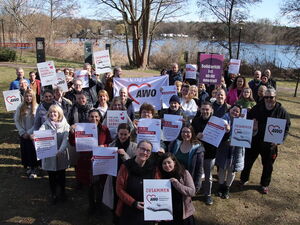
(208, 200)
(265, 190)
(33, 176)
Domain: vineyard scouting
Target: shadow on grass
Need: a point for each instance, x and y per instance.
(288, 100)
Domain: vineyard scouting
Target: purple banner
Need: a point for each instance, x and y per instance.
(211, 68)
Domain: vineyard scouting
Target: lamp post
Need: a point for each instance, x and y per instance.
(239, 42)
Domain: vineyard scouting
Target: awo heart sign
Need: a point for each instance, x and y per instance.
(113, 119)
(275, 130)
(12, 99)
(144, 89)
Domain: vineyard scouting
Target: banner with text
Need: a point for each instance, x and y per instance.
(211, 68)
(144, 89)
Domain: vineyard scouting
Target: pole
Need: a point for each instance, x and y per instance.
(296, 89)
(239, 43)
(3, 38)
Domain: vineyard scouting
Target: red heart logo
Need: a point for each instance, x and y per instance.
(271, 127)
(138, 86)
(10, 97)
(122, 116)
(148, 197)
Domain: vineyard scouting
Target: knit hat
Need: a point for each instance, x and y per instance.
(175, 98)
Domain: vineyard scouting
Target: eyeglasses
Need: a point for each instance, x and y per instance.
(269, 97)
(145, 150)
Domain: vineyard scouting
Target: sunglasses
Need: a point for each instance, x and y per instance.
(269, 97)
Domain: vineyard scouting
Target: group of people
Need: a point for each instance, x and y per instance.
(185, 161)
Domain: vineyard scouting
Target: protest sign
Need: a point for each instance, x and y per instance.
(140, 90)
(214, 131)
(241, 133)
(211, 68)
(234, 66)
(86, 136)
(114, 118)
(171, 126)
(150, 129)
(275, 130)
(244, 113)
(47, 73)
(12, 99)
(102, 62)
(83, 75)
(105, 161)
(45, 143)
(191, 71)
(166, 93)
(61, 81)
(157, 200)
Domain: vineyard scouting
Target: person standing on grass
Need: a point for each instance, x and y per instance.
(24, 121)
(268, 151)
(16, 83)
(56, 166)
(35, 85)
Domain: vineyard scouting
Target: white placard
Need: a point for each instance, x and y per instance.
(83, 75)
(61, 81)
(102, 61)
(166, 93)
(45, 143)
(191, 71)
(150, 129)
(157, 200)
(12, 99)
(105, 161)
(47, 73)
(241, 132)
(114, 118)
(275, 130)
(214, 131)
(86, 137)
(234, 66)
(244, 113)
(171, 126)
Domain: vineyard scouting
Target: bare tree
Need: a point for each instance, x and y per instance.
(141, 18)
(228, 12)
(291, 8)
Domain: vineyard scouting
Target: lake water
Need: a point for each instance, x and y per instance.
(282, 55)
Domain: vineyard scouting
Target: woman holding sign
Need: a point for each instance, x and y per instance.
(183, 189)
(24, 118)
(129, 186)
(230, 159)
(56, 166)
(190, 153)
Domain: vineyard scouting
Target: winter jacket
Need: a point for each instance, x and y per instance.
(25, 125)
(60, 162)
(195, 161)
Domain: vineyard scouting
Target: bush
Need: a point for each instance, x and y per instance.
(7, 54)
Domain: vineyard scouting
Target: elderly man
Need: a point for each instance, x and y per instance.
(174, 74)
(127, 102)
(271, 80)
(71, 95)
(268, 151)
(16, 83)
(255, 83)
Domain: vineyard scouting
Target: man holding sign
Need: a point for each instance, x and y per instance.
(268, 150)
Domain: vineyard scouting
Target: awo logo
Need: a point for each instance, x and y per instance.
(274, 129)
(144, 93)
(151, 198)
(12, 99)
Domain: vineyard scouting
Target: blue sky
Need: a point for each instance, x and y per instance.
(269, 9)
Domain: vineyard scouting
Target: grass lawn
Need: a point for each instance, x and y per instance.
(24, 201)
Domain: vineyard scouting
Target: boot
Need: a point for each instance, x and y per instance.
(225, 194)
(220, 190)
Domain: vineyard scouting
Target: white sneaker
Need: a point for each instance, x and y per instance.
(32, 176)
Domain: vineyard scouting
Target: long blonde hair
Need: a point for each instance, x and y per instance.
(23, 107)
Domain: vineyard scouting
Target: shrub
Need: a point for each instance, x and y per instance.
(7, 54)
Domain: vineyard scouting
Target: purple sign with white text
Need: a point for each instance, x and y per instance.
(211, 68)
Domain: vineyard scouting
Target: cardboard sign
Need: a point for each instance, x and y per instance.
(241, 134)
(45, 143)
(12, 99)
(234, 66)
(86, 137)
(83, 75)
(102, 62)
(61, 81)
(191, 71)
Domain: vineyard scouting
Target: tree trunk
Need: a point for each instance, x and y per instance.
(230, 28)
